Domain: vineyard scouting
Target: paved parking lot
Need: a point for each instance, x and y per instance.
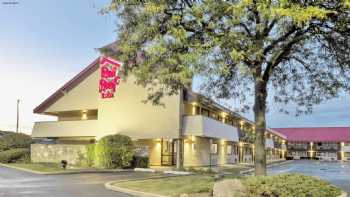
(14, 183)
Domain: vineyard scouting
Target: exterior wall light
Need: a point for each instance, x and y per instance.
(222, 142)
(84, 115)
(193, 138)
(223, 115)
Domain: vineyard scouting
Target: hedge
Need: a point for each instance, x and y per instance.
(90, 155)
(14, 140)
(114, 151)
(288, 185)
(139, 162)
(14, 155)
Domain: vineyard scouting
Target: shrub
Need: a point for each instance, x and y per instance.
(139, 162)
(14, 155)
(15, 140)
(90, 155)
(114, 151)
(284, 185)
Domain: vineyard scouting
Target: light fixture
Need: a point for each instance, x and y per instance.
(193, 138)
(222, 142)
(84, 115)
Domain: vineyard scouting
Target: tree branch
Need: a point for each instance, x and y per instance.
(280, 39)
(274, 61)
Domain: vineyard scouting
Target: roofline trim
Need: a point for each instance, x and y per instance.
(76, 80)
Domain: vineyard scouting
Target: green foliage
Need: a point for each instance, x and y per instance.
(15, 140)
(114, 151)
(14, 155)
(139, 162)
(90, 155)
(298, 48)
(239, 50)
(288, 185)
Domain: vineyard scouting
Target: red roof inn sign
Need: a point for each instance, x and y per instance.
(109, 77)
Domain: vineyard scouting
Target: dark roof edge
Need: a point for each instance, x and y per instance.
(92, 67)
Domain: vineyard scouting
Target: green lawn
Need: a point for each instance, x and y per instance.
(172, 186)
(40, 167)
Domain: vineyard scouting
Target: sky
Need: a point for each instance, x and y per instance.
(43, 44)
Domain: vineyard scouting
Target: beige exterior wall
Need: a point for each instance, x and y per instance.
(65, 128)
(127, 114)
(154, 150)
(84, 96)
(199, 125)
(197, 152)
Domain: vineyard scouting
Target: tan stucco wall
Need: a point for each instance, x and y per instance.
(199, 153)
(65, 129)
(154, 148)
(84, 96)
(128, 115)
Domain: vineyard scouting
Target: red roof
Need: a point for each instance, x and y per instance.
(316, 134)
(68, 86)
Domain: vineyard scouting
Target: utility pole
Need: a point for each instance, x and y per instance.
(17, 122)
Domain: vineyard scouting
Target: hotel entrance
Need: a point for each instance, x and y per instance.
(168, 152)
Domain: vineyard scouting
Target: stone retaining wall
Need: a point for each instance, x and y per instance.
(74, 154)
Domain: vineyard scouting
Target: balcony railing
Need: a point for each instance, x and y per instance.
(269, 143)
(346, 149)
(65, 128)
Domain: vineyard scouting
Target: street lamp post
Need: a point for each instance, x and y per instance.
(17, 121)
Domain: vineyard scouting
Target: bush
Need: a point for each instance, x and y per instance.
(139, 162)
(114, 151)
(288, 185)
(14, 155)
(90, 155)
(15, 140)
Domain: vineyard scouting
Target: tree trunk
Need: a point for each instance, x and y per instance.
(260, 127)
(179, 154)
(180, 141)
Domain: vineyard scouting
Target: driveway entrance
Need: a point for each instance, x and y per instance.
(14, 183)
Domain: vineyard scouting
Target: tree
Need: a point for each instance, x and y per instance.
(113, 151)
(298, 51)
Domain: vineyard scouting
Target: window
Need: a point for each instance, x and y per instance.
(214, 149)
(229, 150)
(204, 112)
(214, 115)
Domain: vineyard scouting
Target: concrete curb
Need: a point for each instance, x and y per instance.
(144, 170)
(109, 186)
(65, 172)
(343, 194)
(268, 165)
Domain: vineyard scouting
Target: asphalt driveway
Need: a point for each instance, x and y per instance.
(14, 183)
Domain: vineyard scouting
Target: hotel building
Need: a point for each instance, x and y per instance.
(322, 143)
(213, 134)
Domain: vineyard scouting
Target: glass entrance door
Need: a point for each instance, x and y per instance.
(168, 156)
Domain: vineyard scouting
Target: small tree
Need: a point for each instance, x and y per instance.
(14, 140)
(298, 51)
(114, 151)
